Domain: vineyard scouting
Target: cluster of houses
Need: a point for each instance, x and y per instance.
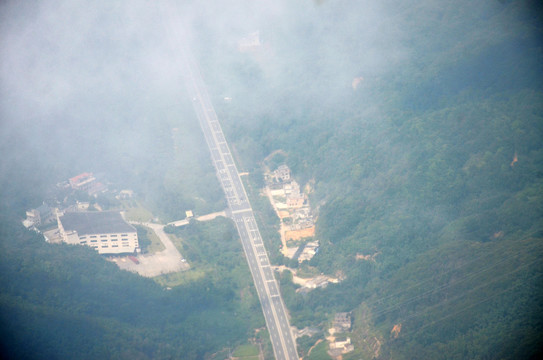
(40, 216)
(292, 206)
(87, 182)
(340, 343)
(319, 281)
(105, 231)
(310, 249)
(281, 184)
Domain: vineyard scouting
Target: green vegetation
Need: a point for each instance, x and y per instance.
(432, 164)
(306, 271)
(148, 240)
(96, 310)
(107, 201)
(62, 301)
(181, 278)
(306, 343)
(280, 199)
(263, 338)
(293, 243)
(266, 218)
(214, 252)
(319, 352)
(246, 352)
(136, 212)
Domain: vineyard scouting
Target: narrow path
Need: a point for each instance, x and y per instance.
(312, 347)
(199, 218)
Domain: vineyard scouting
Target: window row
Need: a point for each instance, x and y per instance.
(105, 246)
(124, 236)
(103, 240)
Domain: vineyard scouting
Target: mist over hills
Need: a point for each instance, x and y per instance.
(420, 125)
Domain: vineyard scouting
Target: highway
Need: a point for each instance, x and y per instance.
(273, 308)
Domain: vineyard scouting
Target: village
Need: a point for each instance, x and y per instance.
(67, 219)
(84, 211)
(297, 231)
(292, 207)
(297, 223)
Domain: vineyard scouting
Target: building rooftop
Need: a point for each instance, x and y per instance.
(43, 209)
(342, 321)
(80, 177)
(95, 222)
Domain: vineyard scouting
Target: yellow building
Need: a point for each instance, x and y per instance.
(104, 231)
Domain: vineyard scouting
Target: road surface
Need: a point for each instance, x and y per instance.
(283, 342)
(199, 218)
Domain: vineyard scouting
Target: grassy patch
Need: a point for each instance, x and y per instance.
(246, 351)
(294, 243)
(181, 278)
(279, 199)
(177, 241)
(156, 244)
(306, 271)
(197, 272)
(148, 240)
(263, 336)
(137, 213)
(319, 352)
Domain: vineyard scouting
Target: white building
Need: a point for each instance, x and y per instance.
(282, 173)
(104, 231)
(125, 194)
(342, 322)
(341, 346)
(39, 216)
(309, 251)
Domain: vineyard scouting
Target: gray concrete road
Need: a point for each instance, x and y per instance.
(199, 218)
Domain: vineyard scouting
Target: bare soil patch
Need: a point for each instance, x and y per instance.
(300, 234)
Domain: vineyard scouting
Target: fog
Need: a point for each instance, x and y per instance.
(84, 85)
(96, 64)
(404, 116)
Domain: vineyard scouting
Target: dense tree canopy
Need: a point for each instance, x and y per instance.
(420, 125)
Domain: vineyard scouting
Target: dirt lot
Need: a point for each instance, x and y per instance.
(299, 234)
(283, 214)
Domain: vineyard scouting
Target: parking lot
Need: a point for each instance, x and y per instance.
(166, 261)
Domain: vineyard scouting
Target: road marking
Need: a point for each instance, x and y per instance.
(235, 194)
(241, 211)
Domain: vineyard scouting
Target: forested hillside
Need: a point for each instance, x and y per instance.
(432, 162)
(419, 124)
(65, 302)
(70, 103)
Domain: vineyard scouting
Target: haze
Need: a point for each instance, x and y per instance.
(414, 128)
